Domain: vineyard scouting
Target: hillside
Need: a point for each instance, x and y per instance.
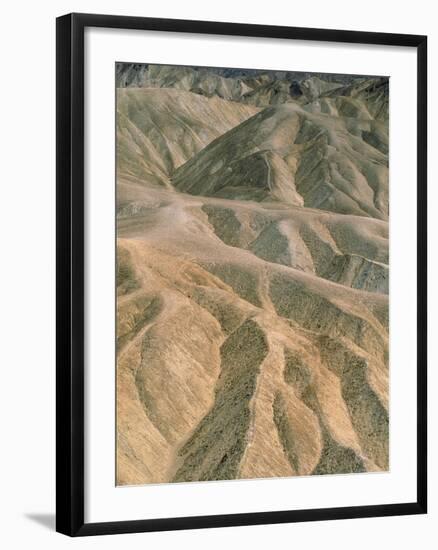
(158, 130)
(297, 157)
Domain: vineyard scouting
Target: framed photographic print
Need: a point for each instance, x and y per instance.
(241, 274)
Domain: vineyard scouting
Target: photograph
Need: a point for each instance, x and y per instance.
(216, 276)
(252, 273)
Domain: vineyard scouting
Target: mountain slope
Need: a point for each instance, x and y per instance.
(374, 93)
(256, 87)
(158, 130)
(314, 347)
(201, 81)
(286, 153)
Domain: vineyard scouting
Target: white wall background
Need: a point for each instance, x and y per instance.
(27, 274)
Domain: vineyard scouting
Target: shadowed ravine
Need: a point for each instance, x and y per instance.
(252, 276)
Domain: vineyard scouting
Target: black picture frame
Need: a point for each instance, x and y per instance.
(70, 273)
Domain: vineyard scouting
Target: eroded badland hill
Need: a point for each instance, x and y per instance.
(252, 275)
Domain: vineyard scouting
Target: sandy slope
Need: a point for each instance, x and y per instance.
(200, 305)
(295, 156)
(252, 314)
(158, 130)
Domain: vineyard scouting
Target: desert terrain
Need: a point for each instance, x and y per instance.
(252, 274)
